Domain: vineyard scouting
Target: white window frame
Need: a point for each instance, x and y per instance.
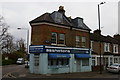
(91, 45)
(115, 46)
(116, 60)
(106, 45)
(82, 40)
(77, 41)
(63, 38)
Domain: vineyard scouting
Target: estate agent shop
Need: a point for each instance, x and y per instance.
(52, 60)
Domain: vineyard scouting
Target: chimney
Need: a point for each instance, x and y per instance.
(61, 10)
(97, 31)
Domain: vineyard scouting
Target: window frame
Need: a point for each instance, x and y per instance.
(115, 48)
(84, 62)
(83, 42)
(55, 38)
(77, 41)
(60, 62)
(63, 39)
(106, 47)
(91, 45)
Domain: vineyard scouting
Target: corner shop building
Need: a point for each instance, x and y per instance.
(52, 60)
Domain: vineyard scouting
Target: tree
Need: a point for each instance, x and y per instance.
(21, 45)
(3, 33)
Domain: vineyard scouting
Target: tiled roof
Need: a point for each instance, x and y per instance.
(108, 53)
(45, 17)
(66, 21)
(107, 39)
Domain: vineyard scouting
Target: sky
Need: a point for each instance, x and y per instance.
(19, 13)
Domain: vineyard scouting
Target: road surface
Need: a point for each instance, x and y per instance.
(14, 71)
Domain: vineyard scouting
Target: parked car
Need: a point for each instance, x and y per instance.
(20, 61)
(115, 68)
(26, 64)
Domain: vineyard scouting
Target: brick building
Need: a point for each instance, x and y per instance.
(109, 49)
(59, 44)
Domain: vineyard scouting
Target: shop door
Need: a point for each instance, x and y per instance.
(78, 65)
(36, 64)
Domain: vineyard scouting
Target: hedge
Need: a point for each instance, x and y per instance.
(7, 62)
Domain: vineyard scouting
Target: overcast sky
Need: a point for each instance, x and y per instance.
(19, 13)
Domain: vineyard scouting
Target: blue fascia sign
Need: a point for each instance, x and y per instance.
(51, 49)
(36, 49)
(57, 50)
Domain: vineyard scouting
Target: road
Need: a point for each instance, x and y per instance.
(19, 71)
(14, 71)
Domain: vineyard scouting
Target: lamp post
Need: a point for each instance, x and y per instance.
(27, 38)
(99, 34)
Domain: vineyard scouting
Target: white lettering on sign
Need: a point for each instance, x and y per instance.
(58, 51)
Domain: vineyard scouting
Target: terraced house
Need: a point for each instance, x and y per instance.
(107, 46)
(59, 44)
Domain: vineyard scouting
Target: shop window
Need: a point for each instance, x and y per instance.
(85, 62)
(54, 38)
(77, 41)
(58, 62)
(83, 41)
(36, 60)
(62, 39)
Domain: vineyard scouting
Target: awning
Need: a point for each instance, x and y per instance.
(82, 55)
(57, 55)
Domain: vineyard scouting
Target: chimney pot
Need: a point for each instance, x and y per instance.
(97, 31)
(61, 10)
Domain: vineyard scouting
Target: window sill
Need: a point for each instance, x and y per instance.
(106, 51)
(115, 52)
(54, 44)
(61, 45)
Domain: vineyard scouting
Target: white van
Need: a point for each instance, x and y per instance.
(20, 61)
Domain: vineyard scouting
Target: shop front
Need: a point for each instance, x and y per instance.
(53, 60)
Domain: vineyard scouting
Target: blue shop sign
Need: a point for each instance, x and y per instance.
(42, 49)
(36, 49)
(52, 50)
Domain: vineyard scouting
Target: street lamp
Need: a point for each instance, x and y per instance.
(99, 33)
(27, 37)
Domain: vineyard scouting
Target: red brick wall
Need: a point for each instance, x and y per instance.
(41, 33)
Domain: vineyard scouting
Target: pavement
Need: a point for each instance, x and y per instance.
(95, 74)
